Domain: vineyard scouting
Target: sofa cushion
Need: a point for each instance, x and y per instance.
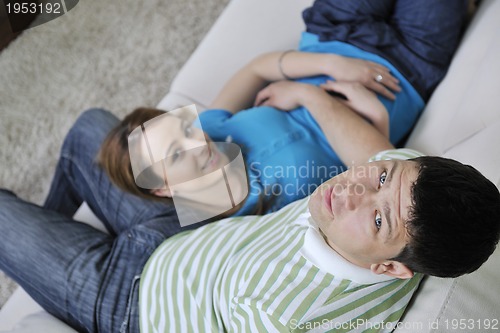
(481, 151)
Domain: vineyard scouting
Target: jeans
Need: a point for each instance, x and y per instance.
(85, 277)
(419, 37)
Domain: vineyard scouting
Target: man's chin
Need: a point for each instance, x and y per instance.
(314, 204)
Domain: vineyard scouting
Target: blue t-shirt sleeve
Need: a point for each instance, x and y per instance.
(212, 122)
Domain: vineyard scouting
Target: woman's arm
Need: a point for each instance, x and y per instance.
(363, 101)
(240, 91)
(353, 138)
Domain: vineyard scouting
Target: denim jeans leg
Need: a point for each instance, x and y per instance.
(431, 28)
(417, 36)
(81, 275)
(39, 249)
(68, 189)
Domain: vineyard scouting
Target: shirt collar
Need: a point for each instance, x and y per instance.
(317, 251)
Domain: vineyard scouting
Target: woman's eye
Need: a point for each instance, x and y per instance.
(176, 155)
(378, 221)
(188, 131)
(382, 178)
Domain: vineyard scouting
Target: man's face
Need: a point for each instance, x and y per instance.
(362, 212)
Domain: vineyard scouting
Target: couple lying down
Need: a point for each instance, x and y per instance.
(348, 256)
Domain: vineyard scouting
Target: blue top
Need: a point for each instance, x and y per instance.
(286, 153)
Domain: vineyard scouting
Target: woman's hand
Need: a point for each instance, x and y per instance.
(283, 95)
(362, 101)
(362, 71)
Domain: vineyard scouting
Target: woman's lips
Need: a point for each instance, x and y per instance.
(213, 158)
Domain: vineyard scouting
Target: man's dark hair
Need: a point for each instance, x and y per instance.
(454, 222)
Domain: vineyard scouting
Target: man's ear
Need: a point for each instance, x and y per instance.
(392, 268)
(162, 192)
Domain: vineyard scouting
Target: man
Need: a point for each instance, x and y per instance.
(348, 258)
(398, 194)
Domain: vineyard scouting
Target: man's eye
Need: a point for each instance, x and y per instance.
(378, 221)
(382, 178)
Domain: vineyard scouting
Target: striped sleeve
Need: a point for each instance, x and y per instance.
(396, 154)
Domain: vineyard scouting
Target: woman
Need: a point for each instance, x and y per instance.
(170, 159)
(282, 165)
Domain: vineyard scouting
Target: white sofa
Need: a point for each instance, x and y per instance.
(462, 121)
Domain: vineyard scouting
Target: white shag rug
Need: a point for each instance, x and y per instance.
(115, 54)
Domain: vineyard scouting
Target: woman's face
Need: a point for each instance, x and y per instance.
(180, 153)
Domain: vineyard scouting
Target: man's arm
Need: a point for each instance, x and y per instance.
(240, 91)
(353, 138)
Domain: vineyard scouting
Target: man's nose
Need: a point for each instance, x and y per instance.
(356, 195)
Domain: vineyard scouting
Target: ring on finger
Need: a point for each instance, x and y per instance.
(379, 78)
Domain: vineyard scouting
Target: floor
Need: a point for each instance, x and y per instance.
(6, 32)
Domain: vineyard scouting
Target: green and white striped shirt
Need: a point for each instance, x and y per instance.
(250, 274)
